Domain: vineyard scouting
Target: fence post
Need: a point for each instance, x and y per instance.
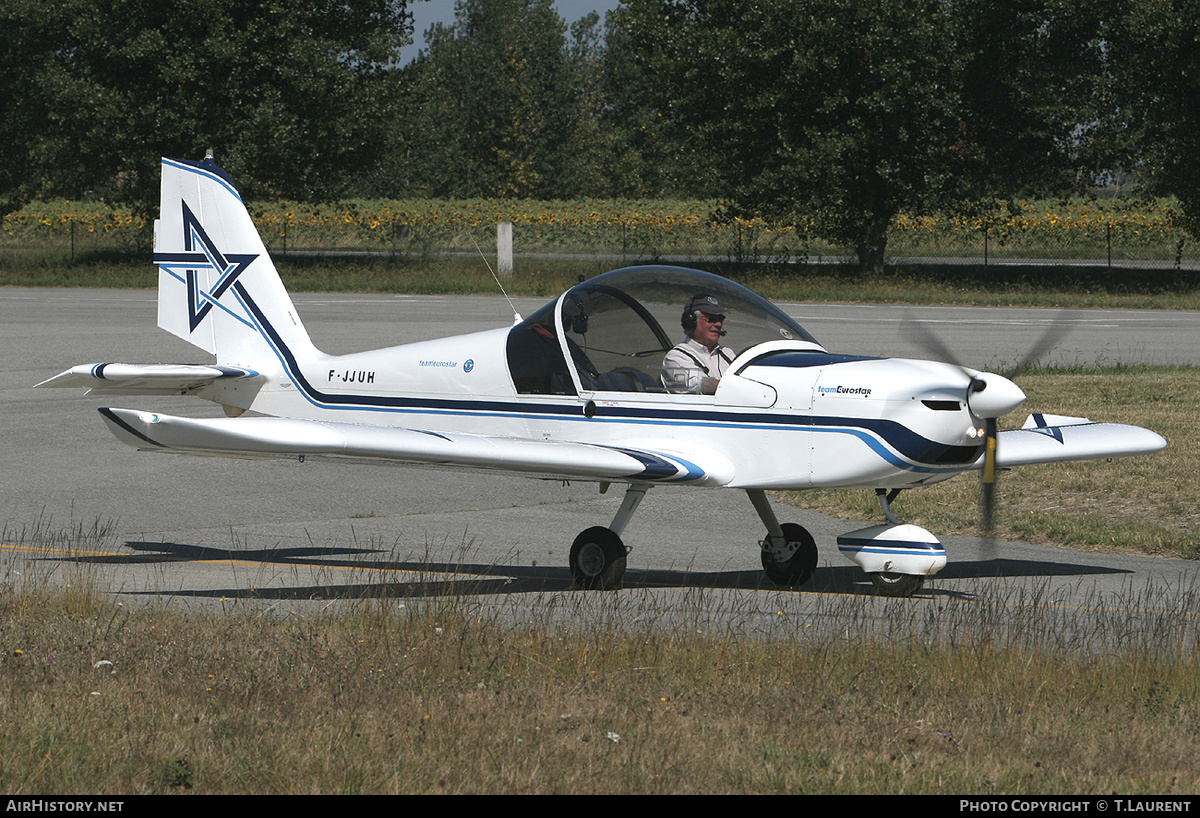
(985, 245)
(504, 248)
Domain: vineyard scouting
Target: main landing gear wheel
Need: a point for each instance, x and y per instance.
(794, 562)
(598, 560)
(897, 585)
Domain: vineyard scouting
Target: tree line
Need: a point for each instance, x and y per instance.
(840, 113)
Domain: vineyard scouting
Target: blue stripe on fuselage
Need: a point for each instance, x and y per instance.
(796, 359)
(922, 451)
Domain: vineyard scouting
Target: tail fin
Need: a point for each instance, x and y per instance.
(217, 287)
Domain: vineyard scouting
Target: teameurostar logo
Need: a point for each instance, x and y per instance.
(844, 390)
(201, 253)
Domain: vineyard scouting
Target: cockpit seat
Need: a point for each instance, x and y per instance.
(628, 379)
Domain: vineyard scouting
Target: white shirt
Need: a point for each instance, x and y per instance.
(691, 369)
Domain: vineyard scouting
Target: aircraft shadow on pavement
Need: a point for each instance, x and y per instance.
(433, 579)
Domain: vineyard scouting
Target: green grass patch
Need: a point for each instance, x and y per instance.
(1148, 504)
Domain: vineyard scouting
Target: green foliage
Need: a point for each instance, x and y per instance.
(849, 113)
(1153, 122)
(492, 108)
(175, 772)
(292, 96)
(509, 101)
(1031, 94)
(834, 114)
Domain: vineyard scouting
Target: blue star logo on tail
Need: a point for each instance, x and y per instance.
(201, 253)
(1042, 428)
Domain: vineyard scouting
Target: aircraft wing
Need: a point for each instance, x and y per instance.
(268, 437)
(1055, 438)
(143, 379)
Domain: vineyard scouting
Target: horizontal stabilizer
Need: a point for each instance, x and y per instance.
(144, 379)
(1071, 439)
(266, 437)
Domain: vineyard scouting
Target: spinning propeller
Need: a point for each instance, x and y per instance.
(989, 396)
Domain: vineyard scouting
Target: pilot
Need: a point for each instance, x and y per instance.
(696, 365)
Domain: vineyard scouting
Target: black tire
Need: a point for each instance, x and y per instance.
(598, 560)
(897, 585)
(798, 568)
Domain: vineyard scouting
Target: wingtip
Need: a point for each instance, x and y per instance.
(128, 426)
(75, 376)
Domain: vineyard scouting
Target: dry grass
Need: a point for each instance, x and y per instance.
(992, 696)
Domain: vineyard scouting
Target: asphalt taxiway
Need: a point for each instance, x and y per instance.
(201, 531)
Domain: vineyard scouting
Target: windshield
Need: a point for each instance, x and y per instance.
(620, 325)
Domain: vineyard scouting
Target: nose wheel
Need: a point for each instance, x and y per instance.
(896, 585)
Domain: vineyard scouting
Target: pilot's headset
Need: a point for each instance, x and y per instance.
(702, 302)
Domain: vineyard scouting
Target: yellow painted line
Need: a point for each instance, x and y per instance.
(70, 552)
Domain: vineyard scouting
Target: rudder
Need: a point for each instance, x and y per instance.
(217, 286)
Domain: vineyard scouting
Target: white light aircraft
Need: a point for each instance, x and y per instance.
(577, 391)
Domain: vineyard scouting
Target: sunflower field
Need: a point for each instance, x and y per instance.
(1100, 230)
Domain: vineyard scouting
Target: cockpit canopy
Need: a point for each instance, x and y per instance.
(618, 327)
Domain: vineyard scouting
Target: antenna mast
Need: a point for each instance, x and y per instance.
(516, 315)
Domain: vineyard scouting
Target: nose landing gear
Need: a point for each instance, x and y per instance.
(897, 557)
